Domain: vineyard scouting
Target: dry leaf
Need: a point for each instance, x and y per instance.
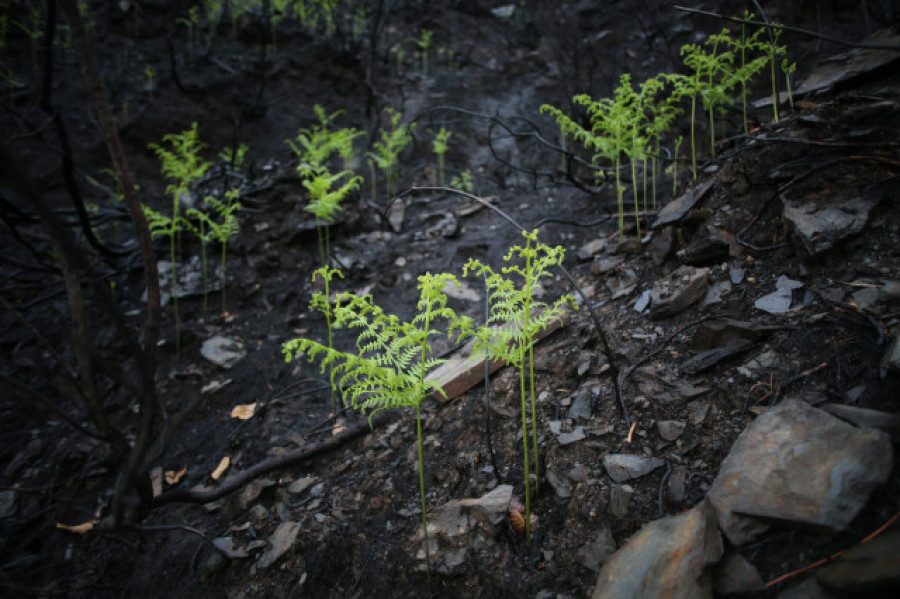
(173, 477)
(77, 528)
(221, 468)
(244, 411)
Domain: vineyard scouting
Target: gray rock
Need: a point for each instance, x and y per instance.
(779, 301)
(248, 494)
(685, 286)
(573, 437)
(560, 485)
(866, 569)
(679, 207)
(670, 430)
(618, 500)
(866, 418)
(594, 554)
(222, 352)
(797, 464)
(808, 589)
(455, 518)
(7, 503)
(622, 466)
(675, 485)
(669, 557)
(866, 297)
(891, 358)
(819, 228)
(302, 484)
(707, 359)
(734, 574)
(280, 541)
(590, 249)
(259, 514)
(581, 406)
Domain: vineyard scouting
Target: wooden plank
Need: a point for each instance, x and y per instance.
(462, 370)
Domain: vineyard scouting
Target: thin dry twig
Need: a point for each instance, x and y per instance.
(834, 556)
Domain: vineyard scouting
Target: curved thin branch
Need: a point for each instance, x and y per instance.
(235, 482)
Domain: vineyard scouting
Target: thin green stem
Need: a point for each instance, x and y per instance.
(525, 450)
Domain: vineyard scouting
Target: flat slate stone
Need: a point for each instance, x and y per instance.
(685, 286)
(621, 466)
(797, 464)
(670, 557)
(675, 210)
(820, 227)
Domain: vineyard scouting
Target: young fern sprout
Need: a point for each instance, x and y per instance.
(387, 151)
(515, 318)
(712, 79)
(772, 51)
(612, 132)
(190, 23)
(150, 73)
(424, 44)
(392, 359)
(322, 303)
(221, 230)
(463, 181)
(788, 69)
(678, 142)
(314, 147)
(181, 162)
(439, 146)
(325, 201)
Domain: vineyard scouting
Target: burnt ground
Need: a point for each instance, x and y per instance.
(356, 528)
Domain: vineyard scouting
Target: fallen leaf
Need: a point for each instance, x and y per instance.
(173, 477)
(221, 468)
(77, 528)
(244, 411)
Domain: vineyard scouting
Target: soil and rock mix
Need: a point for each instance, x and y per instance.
(716, 413)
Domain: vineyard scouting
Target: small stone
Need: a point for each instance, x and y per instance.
(734, 574)
(561, 486)
(621, 467)
(698, 413)
(222, 352)
(581, 406)
(618, 501)
(574, 436)
(258, 514)
(670, 430)
(590, 249)
(280, 541)
(302, 484)
(685, 286)
(594, 554)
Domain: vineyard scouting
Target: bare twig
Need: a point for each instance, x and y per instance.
(235, 482)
